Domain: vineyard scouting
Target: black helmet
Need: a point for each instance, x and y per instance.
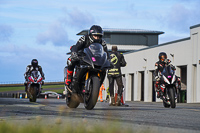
(162, 56)
(97, 31)
(34, 62)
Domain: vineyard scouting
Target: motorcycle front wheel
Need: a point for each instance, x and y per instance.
(33, 92)
(90, 99)
(172, 97)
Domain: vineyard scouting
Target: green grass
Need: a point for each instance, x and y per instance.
(58, 88)
(55, 90)
(3, 89)
(58, 127)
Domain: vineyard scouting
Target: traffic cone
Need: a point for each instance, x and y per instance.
(45, 97)
(58, 97)
(26, 95)
(116, 97)
(100, 92)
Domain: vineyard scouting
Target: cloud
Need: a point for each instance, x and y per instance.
(6, 32)
(15, 58)
(179, 18)
(182, 15)
(56, 34)
(79, 19)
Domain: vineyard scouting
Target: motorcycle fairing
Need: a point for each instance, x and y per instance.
(168, 75)
(95, 56)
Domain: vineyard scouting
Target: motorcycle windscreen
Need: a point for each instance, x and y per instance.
(95, 55)
(168, 72)
(34, 74)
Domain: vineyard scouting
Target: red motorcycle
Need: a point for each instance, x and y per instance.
(34, 85)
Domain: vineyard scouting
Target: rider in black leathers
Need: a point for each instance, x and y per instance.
(94, 36)
(33, 67)
(114, 73)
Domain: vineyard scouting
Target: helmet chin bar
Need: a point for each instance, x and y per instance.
(97, 40)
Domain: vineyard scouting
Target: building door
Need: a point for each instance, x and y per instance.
(153, 87)
(183, 74)
(142, 86)
(132, 87)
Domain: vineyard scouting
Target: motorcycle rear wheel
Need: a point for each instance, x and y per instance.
(72, 101)
(178, 96)
(92, 97)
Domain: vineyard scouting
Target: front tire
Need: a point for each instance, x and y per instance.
(33, 92)
(172, 97)
(90, 99)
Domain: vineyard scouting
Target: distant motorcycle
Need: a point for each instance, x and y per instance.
(89, 74)
(34, 85)
(169, 87)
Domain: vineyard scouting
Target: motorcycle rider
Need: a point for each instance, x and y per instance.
(159, 66)
(33, 67)
(115, 74)
(94, 36)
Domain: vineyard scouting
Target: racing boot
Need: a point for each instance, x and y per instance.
(112, 103)
(158, 93)
(118, 102)
(68, 78)
(157, 89)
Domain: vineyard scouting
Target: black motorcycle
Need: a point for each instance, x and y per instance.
(88, 76)
(168, 87)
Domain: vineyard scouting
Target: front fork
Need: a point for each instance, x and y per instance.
(87, 82)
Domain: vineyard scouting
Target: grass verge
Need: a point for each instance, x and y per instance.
(81, 127)
(56, 88)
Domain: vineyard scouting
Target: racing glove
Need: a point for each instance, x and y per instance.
(166, 61)
(157, 78)
(74, 56)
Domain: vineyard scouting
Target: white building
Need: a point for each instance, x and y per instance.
(184, 54)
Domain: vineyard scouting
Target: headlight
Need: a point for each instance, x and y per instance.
(173, 79)
(166, 80)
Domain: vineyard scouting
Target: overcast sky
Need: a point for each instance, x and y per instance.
(45, 29)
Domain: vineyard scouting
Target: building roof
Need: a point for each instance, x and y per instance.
(125, 31)
(126, 47)
(168, 43)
